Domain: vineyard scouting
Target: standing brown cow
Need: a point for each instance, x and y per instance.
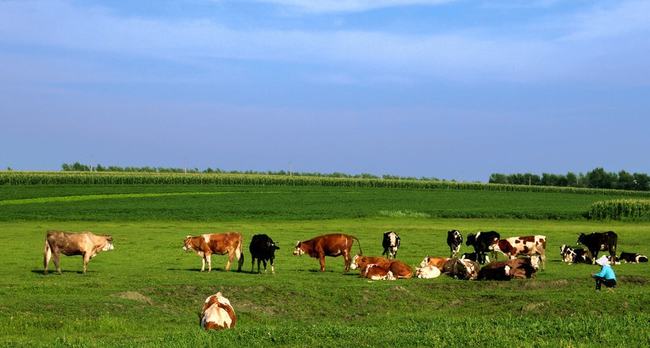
(335, 244)
(216, 243)
(86, 244)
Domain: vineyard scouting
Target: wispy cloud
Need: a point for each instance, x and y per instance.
(326, 6)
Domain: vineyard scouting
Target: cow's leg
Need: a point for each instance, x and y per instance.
(203, 263)
(46, 259)
(231, 255)
(272, 267)
(253, 264)
(264, 262)
(259, 261)
(348, 259)
(56, 257)
(86, 260)
(321, 260)
(208, 259)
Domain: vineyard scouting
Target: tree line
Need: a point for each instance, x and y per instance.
(79, 167)
(597, 178)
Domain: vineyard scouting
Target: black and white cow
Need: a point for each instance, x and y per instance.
(632, 257)
(599, 241)
(574, 255)
(454, 240)
(472, 257)
(390, 243)
(263, 249)
(482, 243)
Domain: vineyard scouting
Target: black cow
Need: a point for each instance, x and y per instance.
(454, 240)
(599, 241)
(632, 257)
(263, 249)
(574, 255)
(390, 243)
(482, 243)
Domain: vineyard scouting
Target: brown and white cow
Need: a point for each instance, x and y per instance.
(527, 246)
(361, 262)
(377, 272)
(438, 262)
(217, 313)
(86, 244)
(335, 244)
(216, 243)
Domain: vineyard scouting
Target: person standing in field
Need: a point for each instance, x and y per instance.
(606, 275)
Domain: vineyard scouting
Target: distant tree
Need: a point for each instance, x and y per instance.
(497, 178)
(625, 181)
(641, 182)
(599, 178)
(571, 179)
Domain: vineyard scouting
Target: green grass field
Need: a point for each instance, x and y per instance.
(147, 292)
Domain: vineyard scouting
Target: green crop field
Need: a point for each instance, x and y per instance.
(147, 292)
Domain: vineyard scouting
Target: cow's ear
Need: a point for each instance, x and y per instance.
(188, 236)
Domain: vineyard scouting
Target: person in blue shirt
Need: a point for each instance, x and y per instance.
(606, 275)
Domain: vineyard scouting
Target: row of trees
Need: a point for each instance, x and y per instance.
(79, 167)
(597, 178)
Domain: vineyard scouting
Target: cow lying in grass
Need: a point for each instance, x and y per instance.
(520, 268)
(381, 268)
(86, 244)
(632, 257)
(217, 313)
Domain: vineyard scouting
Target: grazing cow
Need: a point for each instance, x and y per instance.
(473, 257)
(335, 244)
(454, 240)
(505, 270)
(632, 257)
(574, 255)
(361, 262)
(482, 243)
(86, 244)
(390, 243)
(527, 245)
(599, 241)
(461, 269)
(217, 313)
(216, 243)
(263, 249)
(438, 262)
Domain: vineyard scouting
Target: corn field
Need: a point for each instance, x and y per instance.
(617, 209)
(129, 178)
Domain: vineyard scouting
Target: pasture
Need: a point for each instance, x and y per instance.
(147, 292)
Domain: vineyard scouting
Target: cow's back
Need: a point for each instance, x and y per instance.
(222, 243)
(334, 243)
(69, 243)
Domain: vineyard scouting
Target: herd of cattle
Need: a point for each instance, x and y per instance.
(524, 256)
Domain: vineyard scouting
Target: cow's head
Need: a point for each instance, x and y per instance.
(425, 262)
(581, 238)
(109, 244)
(354, 264)
(187, 243)
(455, 235)
(471, 239)
(298, 250)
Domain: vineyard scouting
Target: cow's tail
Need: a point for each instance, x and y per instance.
(357, 239)
(239, 254)
(47, 255)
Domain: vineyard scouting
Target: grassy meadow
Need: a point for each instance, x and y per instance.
(147, 292)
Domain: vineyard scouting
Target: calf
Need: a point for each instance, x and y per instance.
(599, 241)
(335, 244)
(86, 244)
(400, 270)
(527, 246)
(427, 272)
(482, 243)
(216, 243)
(454, 240)
(390, 243)
(574, 255)
(217, 313)
(632, 257)
(263, 249)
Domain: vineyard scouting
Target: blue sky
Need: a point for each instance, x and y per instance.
(454, 89)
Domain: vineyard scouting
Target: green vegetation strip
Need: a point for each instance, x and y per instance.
(104, 196)
(618, 209)
(93, 178)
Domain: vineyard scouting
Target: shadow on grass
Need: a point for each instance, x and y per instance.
(51, 272)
